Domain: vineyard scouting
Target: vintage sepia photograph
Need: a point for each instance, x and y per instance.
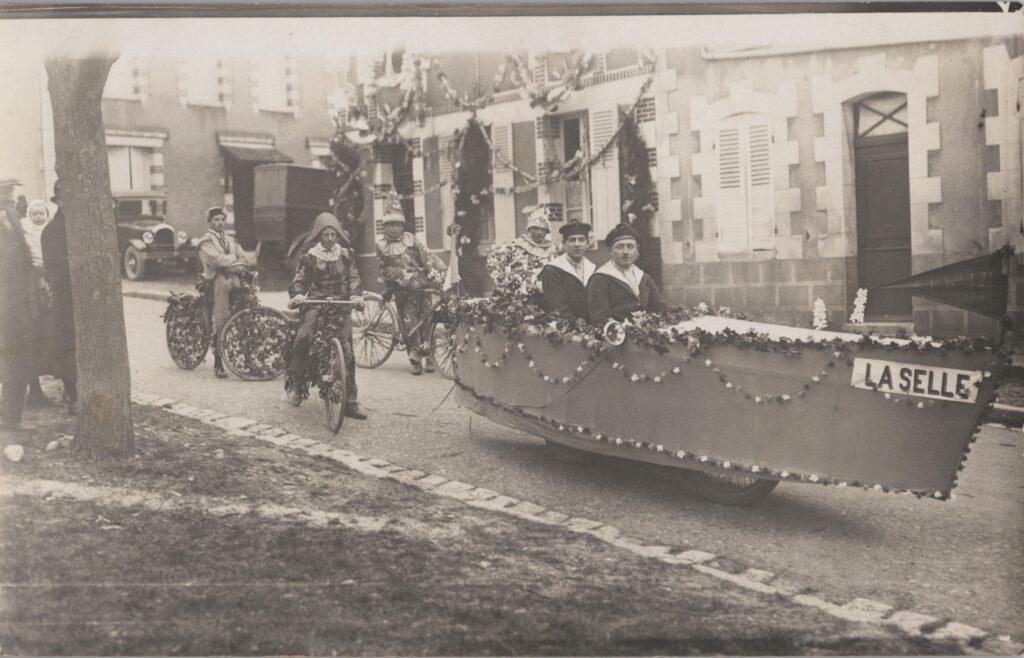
(522, 330)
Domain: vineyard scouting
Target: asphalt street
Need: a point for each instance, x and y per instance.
(959, 559)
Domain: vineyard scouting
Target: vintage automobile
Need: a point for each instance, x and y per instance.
(145, 239)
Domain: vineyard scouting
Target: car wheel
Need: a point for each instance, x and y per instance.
(134, 263)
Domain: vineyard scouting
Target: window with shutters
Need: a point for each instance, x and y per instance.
(605, 197)
(130, 169)
(204, 81)
(746, 198)
(274, 85)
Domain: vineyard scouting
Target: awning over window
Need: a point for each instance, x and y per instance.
(254, 154)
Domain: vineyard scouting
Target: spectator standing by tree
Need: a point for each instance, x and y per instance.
(33, 224)
(54, 244)
(16, 295)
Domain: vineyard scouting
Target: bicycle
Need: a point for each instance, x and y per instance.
(376, 332)
(250, 343)
(328, 350)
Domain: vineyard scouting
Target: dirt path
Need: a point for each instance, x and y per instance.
(213, 544)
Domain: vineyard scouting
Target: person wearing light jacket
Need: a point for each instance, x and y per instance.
(222, 259)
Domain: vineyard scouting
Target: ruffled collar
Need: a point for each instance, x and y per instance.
(330, 256)
(396, 247)
(542, 250)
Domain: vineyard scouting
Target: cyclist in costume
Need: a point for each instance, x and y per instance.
(407, 268)
(327, 270)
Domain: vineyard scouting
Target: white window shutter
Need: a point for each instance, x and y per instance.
(760, 192)
(732, 199)
(501, 138)
(119, 164)
(444, 147)
(604, 175)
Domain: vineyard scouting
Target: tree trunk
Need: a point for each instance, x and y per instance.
(104, 417)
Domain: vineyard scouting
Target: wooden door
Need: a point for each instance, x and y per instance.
(883, 224)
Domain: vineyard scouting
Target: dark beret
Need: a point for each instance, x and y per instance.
(621, 232)
(574, 228)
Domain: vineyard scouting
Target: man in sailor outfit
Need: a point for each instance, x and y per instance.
(618, 288)
(564, 279)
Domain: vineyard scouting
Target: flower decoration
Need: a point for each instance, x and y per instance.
(820, 321)
(859, 304)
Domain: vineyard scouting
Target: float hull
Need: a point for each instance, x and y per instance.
(862, 415)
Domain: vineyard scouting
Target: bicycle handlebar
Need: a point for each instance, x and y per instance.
(339, 302)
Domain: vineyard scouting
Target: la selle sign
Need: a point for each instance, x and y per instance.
(916, 380)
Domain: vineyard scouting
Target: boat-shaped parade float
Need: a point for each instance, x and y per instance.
(745, 405)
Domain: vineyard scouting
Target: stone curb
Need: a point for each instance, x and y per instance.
(858, 610)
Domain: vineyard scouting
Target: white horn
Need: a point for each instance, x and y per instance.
(614, 332)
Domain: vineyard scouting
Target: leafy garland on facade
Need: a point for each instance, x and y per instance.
(637, 189)
(346, 162)
(471, 174)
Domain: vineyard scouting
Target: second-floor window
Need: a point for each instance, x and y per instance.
(202, 82)
(274, 83)
(124, 81)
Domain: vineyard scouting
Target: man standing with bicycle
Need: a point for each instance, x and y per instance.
(327, 270)
(409, 271)
(223, 260)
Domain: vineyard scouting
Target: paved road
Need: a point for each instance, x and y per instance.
(962, 559)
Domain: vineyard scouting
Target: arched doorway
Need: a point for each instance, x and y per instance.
(882, 181)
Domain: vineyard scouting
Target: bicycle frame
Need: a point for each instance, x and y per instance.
(427, 316)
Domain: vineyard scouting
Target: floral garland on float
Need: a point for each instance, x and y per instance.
(698, 331)
(515, 319)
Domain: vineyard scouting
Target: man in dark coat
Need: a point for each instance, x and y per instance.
(619, 288)
(17, 286)
(54, 242)
(564, 279)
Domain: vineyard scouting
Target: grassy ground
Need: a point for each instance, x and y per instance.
(440, 578)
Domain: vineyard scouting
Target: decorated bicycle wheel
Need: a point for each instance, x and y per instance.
(337, 393)
(374, 332)
(253, 343)
(188, 331)
(442, 349)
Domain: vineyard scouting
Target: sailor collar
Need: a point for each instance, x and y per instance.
(565, 264)
(614, 272)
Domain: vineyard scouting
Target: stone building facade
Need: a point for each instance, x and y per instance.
(187, 131)
(783, 176)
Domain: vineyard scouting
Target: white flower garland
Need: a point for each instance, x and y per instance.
(820, 315)
(859, 304)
